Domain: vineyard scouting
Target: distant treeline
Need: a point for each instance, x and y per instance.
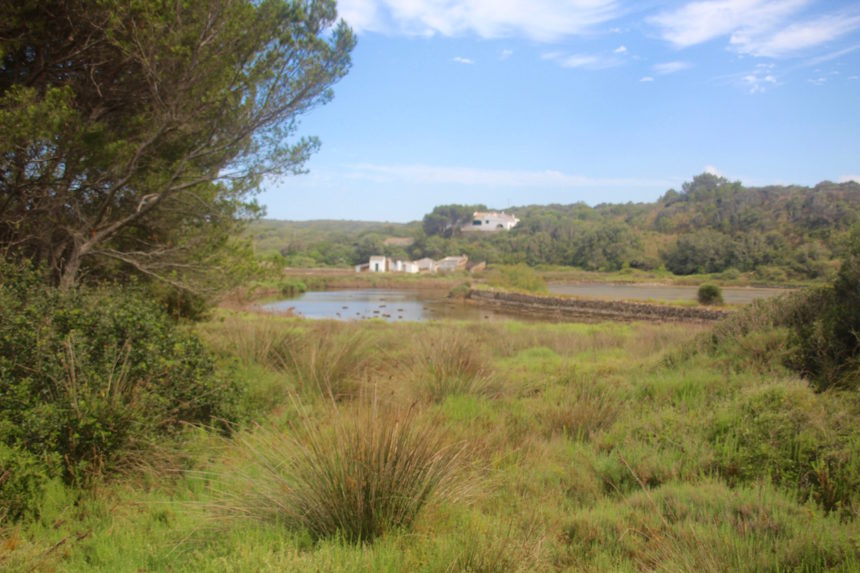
(711, 225)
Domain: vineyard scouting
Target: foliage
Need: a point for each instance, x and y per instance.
(370, 472)
(712, 225)
(710, 294)
(600, 454)
(825, 329)
(446, 220)
(520, 277)
(22, 479)
(703, 252)
(135, 133)
(89, 377)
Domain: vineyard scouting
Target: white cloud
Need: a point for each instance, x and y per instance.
(831, 56)
(462, 60)
(847, 178)
(767, 28)
(760, 79)
(710, 169)
(620, 50)
(436, 174)
(579, 61)
(795, 37)
(541, 20)
(699, 22)
(670, 67)
(583, 61)
(505, 54)
(820, 81)
(646, 79)
(854, 78)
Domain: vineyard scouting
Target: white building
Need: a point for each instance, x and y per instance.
(426, 264)
(404, 267)
(449, 264)
(378, 265)
(491, 221)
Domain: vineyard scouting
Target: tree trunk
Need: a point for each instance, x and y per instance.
(69, 270)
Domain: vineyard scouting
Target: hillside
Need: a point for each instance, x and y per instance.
(712, 225)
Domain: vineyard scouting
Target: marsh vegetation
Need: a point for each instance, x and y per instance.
(458, 446)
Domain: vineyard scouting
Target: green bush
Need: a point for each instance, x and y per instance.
(89, 377)
(292, 288)
(710, 294)
(460, 291)
(22, 479)
(521, 277)
(801, 441)
(824, 341)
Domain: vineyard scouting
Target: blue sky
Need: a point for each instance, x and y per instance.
(513, 102)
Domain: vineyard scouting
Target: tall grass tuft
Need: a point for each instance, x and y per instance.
(327, 358)
(585, 408)
(250, 341)
(448, 363)
(359, 474)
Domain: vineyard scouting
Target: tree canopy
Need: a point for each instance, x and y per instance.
(134, 133)
(712, 225)
(446, 220)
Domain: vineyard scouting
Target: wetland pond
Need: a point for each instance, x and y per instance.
(388, 304)
(396, 305)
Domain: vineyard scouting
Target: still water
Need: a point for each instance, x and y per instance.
(391, 305)
(417, 305)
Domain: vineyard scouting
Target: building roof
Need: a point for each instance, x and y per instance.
(493, 215)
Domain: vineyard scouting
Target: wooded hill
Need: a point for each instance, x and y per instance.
(711, 225)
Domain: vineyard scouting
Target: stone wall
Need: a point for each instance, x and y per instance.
(595, 309)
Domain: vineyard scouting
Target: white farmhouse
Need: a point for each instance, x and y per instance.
(450, 264)
(426, 264)
(378, 264)
(404, 267)
(381, 264)
(491, 221)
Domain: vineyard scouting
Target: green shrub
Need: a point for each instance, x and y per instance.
(292, 288)
(460, 291)
(89, 377)
(794, 438)
(22, 478)
(521, 277)
(355, 476)
(710, 294)
(825, 345)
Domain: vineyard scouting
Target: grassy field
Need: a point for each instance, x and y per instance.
(481, 447)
